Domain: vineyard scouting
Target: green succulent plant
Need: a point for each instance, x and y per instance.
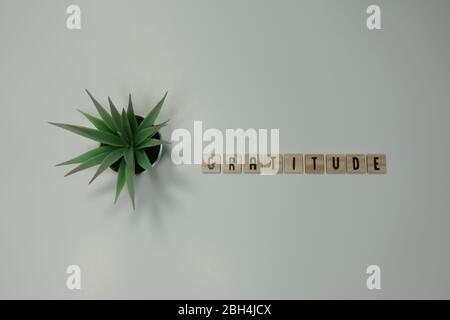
(122, 140)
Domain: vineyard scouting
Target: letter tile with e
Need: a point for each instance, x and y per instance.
(376, 163)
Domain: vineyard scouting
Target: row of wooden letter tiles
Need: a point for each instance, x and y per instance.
(297, 163)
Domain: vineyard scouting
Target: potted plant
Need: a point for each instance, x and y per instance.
(129, 144)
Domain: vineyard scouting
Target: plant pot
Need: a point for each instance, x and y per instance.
(153, 153)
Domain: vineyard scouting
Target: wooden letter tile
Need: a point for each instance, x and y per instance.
(251, 164)
(356, 163)
(232, 163)
(211, 163)
(376, 163)
(271, 164)
(293, 163)
(336, 163)
(314, 163)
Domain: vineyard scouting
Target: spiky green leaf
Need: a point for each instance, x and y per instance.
(126, 126)
(131, 116)
(148, 132)
(86, 156)
(121, 178)
(143, 160)
(151, 117)
(150, 142)
(117, 120)
(93, 134)
(88, 164)
(112, 157)
(129, 158)
(102, 112)
(98, 123)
